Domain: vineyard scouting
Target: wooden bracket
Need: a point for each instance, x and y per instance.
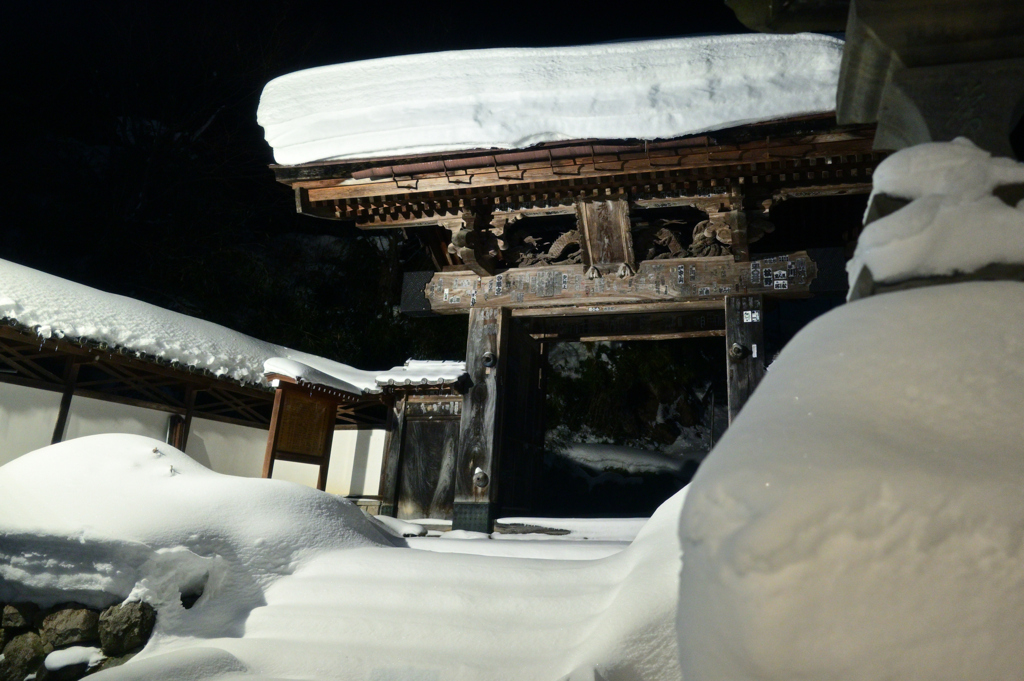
(475, 244)
(606, 237)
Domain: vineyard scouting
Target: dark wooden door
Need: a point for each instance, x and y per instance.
(426, 477)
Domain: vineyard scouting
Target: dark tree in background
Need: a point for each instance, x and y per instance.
(133, 161)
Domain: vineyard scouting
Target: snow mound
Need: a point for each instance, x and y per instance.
(101, 518)
(950, 186)
(517, 97)
(861, 519)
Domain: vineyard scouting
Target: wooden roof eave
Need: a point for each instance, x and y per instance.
(311, 175)
(420, 194)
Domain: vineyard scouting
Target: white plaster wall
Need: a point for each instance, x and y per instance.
(92, 417)
(356, 459)
(302, 473)
(227, 448)
(28, 415)
(27, 418)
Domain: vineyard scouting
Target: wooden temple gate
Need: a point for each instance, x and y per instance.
(475, 211)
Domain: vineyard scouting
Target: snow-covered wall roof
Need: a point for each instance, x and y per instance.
(948, 185)
(516, 97)
(56, 307)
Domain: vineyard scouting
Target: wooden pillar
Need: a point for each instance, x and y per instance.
(70, 378)
(479, 453)
(392, 457)
(744, 342)
(325, 454)
(607, 238)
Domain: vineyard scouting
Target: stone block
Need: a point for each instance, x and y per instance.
(22, 656)
(70, 626)
(125, 627)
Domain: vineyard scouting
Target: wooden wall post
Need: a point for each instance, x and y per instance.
(744, 343)
(182, 424)
(479, 453)
(392, 457)
(70, 378)
(273, 433)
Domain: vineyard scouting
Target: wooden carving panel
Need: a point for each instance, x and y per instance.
(306, 422)
(682, 279)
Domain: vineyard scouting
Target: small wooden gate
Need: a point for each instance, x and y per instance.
(419, 469)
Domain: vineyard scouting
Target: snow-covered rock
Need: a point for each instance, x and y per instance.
(954, 224)
(862, 517)
(512, 98)
(95, 520)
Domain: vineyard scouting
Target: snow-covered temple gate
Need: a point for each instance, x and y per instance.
(495, 227)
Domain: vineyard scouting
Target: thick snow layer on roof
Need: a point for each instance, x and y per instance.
(950, 186)
(514, 98)
(413, 372)
(862, 517)
(422, 372)
(56, 307)
(305, 374)
(300, 584)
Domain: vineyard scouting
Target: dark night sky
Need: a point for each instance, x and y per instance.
(134, 163)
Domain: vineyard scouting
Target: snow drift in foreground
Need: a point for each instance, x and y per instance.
(862, 518)
(514, 98)
(59, 308)
(953, 223)
(300, 584)
(96, 518)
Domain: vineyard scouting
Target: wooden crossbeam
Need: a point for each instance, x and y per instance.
(24, 360)
(656, 281)
(128, 378)
(230, 402)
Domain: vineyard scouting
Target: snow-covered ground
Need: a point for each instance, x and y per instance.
(56, 307)
(514, 98)
(300, 584)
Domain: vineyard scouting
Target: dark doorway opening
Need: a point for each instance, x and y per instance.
(627, 423)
